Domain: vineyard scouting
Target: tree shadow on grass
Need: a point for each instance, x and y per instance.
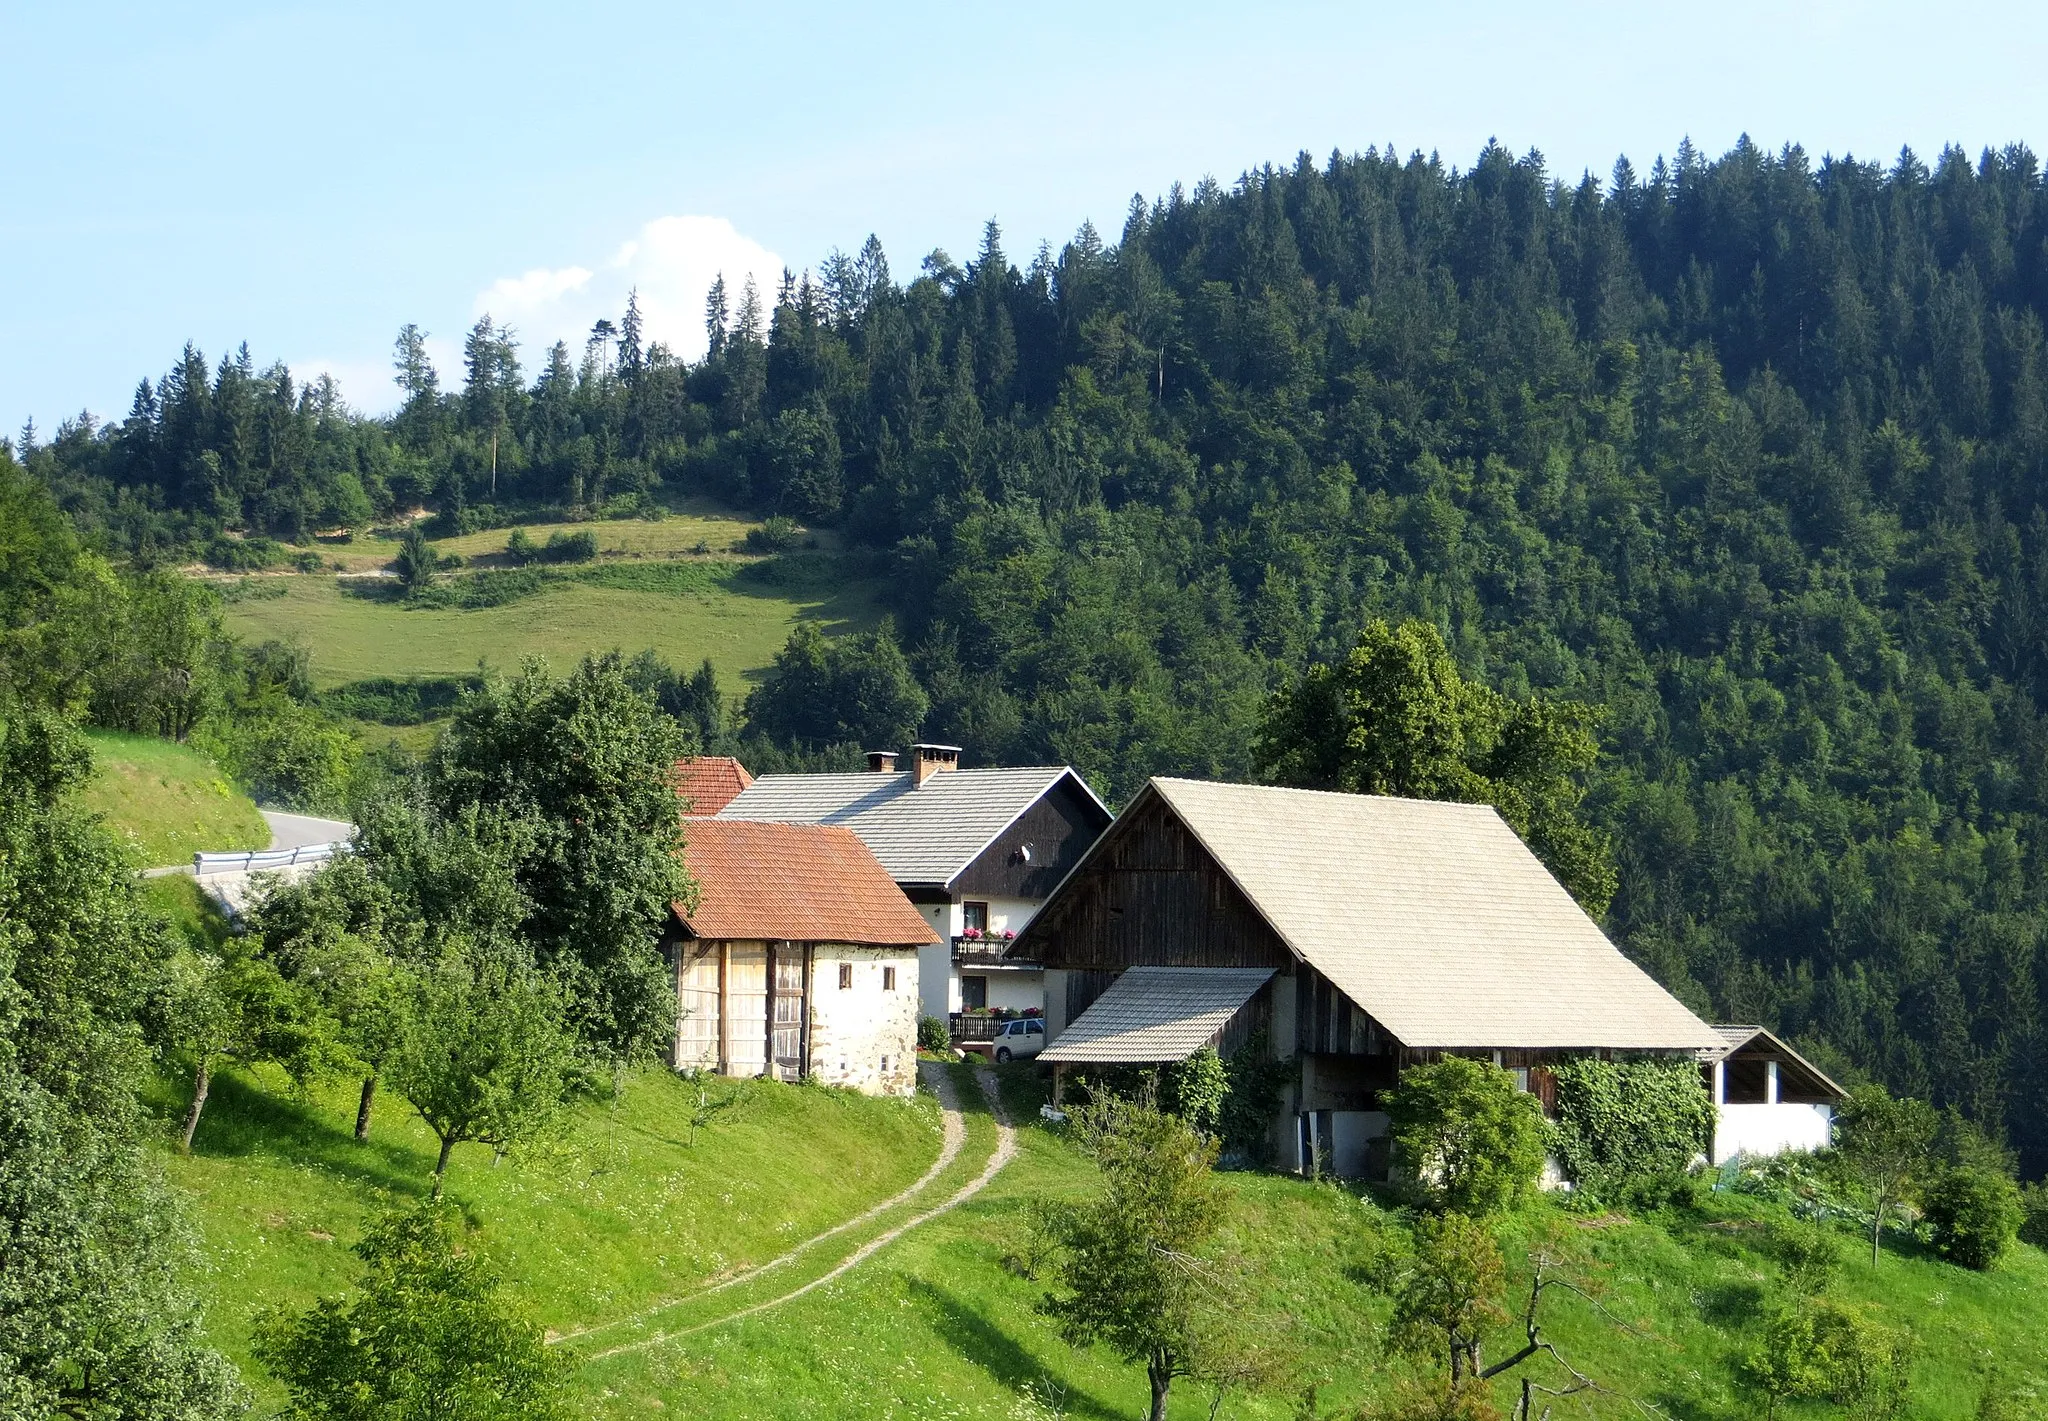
(1007, 1361)
(242, 1120)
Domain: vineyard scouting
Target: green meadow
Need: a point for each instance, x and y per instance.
(167, 801)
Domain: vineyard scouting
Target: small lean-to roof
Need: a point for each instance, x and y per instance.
(793, 883)
(1434, 917)
(1735, 1038)
(925, 834)
(707, 783)
(1157, 1014)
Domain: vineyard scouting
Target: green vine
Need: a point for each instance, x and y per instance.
(1623, 1121)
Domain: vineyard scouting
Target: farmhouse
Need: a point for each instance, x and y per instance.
(1353, 935)
(976, 850)
(799, 959)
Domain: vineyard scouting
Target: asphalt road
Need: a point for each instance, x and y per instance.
(298, 831)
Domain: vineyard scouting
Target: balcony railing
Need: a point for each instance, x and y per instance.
(973, 1025)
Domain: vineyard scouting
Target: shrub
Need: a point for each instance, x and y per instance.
(1472, 1138)
(2034, 1200)
(1975, 1214)
(777, 535)
(932, 1034)
(570, 547)
(521, 548)
(243, 554)
(1620, 1122)
(1817, 1349)
(1197, 1088)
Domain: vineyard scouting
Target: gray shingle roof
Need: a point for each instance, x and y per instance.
(1157, 1014)
(1734, 1038)
(926, 834)
(1434, 917)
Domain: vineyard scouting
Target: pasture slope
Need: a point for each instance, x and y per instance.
(642, 1253)
(678, 587)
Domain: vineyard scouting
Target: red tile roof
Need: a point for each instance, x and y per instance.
(794, 883)
(710, 782)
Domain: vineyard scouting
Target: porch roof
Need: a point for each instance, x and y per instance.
(1153, 1014)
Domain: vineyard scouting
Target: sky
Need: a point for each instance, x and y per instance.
(307, 178)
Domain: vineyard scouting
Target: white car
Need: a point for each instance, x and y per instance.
(1016, 1039)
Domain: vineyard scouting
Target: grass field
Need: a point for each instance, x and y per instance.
(168, 801)
(940, 1324)
(698, 524)
(613, 1216)
(739, 622)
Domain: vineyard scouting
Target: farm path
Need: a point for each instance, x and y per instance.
(942, 1085)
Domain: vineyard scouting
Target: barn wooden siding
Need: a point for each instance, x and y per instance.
(1153, 897)
(1057, 830)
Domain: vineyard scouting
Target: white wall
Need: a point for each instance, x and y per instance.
(1762, 1130)
(1016, 991)
(938, 990)
(863, 1036)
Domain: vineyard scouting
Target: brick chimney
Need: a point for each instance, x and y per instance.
(881, 762)
(933, 760)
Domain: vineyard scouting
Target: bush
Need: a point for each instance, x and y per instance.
(932, 1034)
(1197, 1088)
(1975, 1214)
(521, 548)
(570, 547)
(1472, 1138)
(1622, 1122)
(778, 535)
(2034, 1200)
(243, 554)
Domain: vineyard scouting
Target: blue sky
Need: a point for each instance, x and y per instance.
(308, 177)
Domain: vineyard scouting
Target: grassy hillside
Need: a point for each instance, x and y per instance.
(168, 801)
(723, 610)
(623, 1217)
(615, 1215)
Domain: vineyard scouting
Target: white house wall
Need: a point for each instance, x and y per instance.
(863, 1036)
(1763, 1130)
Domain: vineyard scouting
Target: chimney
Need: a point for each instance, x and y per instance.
(934, 759)
(881, 762)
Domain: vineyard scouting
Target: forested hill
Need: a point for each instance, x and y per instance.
(1748, 452)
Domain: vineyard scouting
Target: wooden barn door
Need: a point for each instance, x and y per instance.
(698, 1030)
(746, 997)
(787, 1045)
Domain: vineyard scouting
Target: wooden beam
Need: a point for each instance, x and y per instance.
(724, 1009)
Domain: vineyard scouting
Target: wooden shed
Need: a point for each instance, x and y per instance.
(799, 959)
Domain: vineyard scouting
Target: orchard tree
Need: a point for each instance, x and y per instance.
(1133, 1270)
(428, 1336)
(485, 1055)
(1885, 1147)
(585, 764)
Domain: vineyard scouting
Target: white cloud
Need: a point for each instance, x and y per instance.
(671, 262)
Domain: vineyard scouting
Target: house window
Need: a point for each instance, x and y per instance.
(973, 993)
(888, 979)
(974, 917)
(845, 975)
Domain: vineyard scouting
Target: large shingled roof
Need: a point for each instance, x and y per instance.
(1434, 917)
(925, 834)
(1155, 1014)
(793, 883)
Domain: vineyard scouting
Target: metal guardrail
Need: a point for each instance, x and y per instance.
(972, 1026)
(260, 860)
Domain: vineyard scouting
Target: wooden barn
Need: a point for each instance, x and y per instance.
(1352, 934)
(798, 961)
